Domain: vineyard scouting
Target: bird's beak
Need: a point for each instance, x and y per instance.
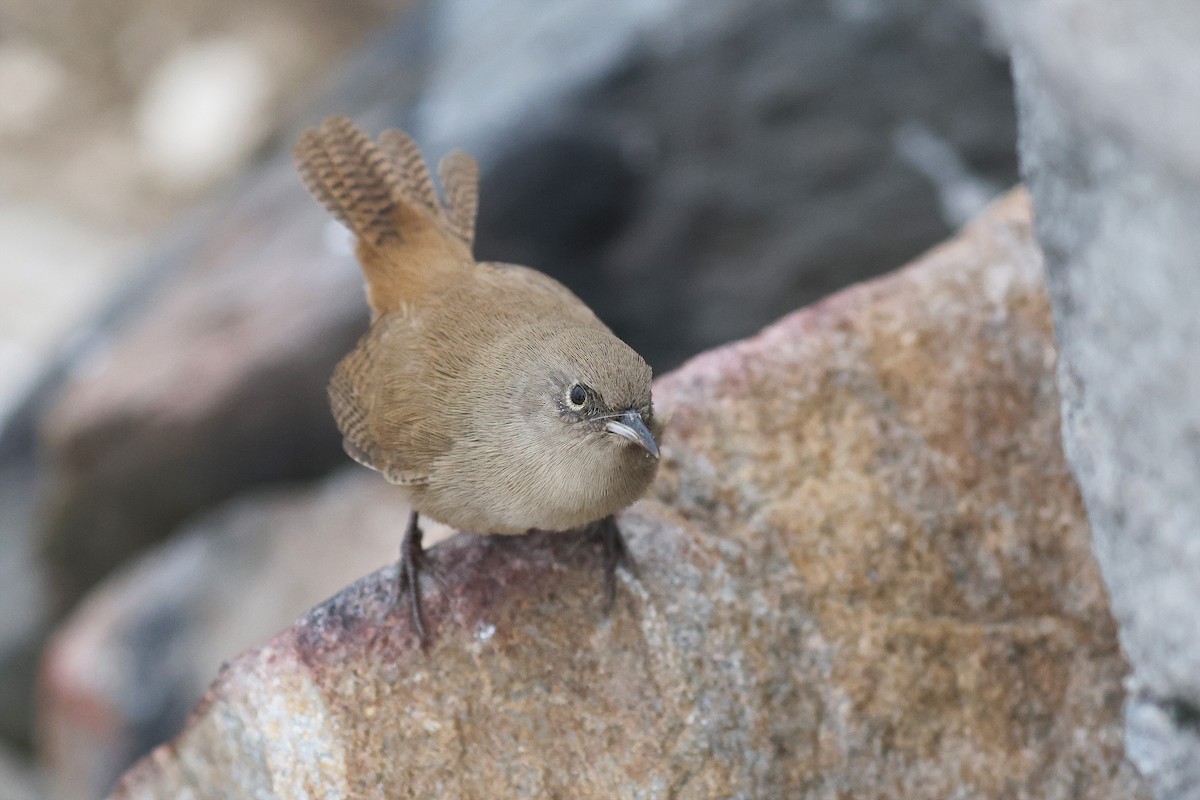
(631, 426)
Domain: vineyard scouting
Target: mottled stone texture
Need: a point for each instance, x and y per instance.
(863, 572)
(1109, 105)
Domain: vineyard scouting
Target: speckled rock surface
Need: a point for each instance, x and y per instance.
(863, 572)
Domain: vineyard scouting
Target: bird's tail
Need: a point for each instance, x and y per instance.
(384, 194)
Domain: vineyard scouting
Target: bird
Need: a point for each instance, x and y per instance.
(491, 396)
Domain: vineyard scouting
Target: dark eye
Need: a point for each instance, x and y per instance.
(577, 396)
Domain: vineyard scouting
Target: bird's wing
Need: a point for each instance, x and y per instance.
(375, 396)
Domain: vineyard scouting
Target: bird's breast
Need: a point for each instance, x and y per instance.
(482, 492)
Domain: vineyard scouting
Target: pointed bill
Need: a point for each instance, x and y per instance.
(632, 427)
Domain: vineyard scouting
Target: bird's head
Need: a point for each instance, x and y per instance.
(590, 416)
(599, 393)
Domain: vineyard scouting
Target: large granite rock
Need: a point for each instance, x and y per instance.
(1110, 108)
(864, 571)
(693, 175)
(121, 674)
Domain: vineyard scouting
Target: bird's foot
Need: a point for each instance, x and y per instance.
(616, 554)
(408, 576)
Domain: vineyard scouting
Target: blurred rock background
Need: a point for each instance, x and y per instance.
(118, 115)
(116, 118)
(693, 170)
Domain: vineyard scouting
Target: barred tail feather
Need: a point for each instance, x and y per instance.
(351, 177)
(416, 185)
(459, 175)
(383, 192)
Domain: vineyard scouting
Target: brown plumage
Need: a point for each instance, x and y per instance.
(489, 393)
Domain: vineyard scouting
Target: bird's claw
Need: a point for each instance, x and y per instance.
(615, 554)
(408, 576)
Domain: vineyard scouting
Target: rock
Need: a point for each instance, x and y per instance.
(864, 571)
(1109, 102)
(18, 780)
(37, 312)
(691, 182)
(121, 674)
(23, 627)
(216, 385)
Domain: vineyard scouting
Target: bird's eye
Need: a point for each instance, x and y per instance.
(577, 396)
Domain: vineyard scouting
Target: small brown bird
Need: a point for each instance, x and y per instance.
(489, 393)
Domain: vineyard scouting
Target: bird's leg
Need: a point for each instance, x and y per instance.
(408, 573)
(616, 554)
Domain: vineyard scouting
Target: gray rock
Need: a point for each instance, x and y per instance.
(1108, 102)
(135, 468)
(18, 779)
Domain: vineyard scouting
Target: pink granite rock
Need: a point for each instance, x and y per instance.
(864, 571)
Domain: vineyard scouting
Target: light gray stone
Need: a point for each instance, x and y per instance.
(18, 779)
(1109, 109)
